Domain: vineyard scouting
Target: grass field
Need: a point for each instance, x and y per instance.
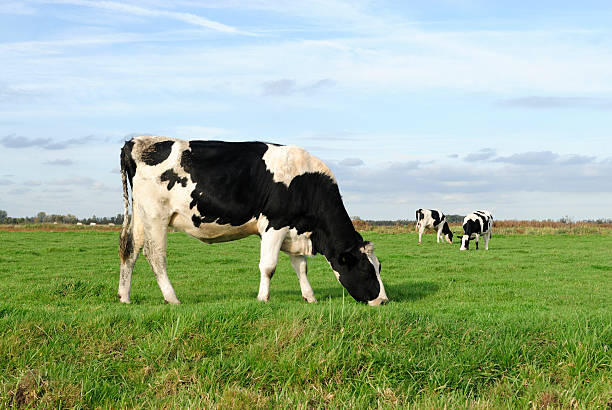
(526, 324)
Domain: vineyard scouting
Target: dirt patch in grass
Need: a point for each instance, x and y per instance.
(36, 390)
(30, 389)
(239, 398)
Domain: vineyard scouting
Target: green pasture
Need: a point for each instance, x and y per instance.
(526, 324)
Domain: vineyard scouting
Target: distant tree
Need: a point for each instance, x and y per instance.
(3, 216)
(40, 217)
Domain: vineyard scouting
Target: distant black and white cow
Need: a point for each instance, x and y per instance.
(475, 224)
(433, 219)
(222, 191)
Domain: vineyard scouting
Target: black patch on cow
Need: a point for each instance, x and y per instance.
(233, 186)
(419, 214)
(127, 162)
(436, 217)
(173, 178)
(471, 227)
(157, 153)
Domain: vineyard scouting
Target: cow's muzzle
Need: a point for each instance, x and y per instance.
(378, 302)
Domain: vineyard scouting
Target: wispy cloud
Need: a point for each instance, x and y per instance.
(286, 86)
(60, 162)
(283, 86)
(16, 7)
(189, 18)
(483, 154)
(529, 158)
(351, 162)
(16, 141)
(537, 102)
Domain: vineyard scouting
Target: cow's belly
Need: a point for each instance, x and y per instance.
(213, 232)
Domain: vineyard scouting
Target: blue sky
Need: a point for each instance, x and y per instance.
(456, 104)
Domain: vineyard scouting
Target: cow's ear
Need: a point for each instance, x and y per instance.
(346, 259)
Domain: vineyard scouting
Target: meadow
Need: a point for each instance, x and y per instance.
(526, 324)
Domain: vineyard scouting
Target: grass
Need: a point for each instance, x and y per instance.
(526, 324)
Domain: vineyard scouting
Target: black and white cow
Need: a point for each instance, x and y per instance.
(222, 191)
(433, 219)
(475, 224)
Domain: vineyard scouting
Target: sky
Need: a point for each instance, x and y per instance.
(450, 104)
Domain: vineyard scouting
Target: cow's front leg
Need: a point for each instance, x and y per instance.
(271, 241)
(300, 266)
(421, 230)
(155, 252)
(477, 241)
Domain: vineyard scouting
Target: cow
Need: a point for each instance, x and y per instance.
(433, 219)
(223, 191)
(475, 224)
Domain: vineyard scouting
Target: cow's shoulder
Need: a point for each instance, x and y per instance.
(285, 162)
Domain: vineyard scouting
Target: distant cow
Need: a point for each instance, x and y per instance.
(475, 224)
(433, 219)
(222, 191)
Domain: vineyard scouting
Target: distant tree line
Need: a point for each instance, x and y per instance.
(43, 217)
(406, 222)
(459, 219)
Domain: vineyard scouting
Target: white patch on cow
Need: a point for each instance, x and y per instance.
(297, 244)
(271, 242)
(368, 249)
(335, 273)
(464, 241)
(285, 162)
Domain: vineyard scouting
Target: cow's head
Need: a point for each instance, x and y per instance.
(358, 270)
(448, 234)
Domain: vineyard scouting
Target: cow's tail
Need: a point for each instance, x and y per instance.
(126, 240)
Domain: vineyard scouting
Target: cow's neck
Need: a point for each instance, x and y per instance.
(335, 234)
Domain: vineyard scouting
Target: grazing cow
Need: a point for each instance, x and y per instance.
(477, 223)
(222, 191)
(433, 219)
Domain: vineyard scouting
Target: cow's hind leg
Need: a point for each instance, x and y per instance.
(130, 244)
(271, 242)
(300, 266)
(155, 252)
(477, 241)
(421, 230)
(487, 238)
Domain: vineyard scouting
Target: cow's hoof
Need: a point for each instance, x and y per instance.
(310, 299)
(124, 299)
(263, 298)
(173, 301)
